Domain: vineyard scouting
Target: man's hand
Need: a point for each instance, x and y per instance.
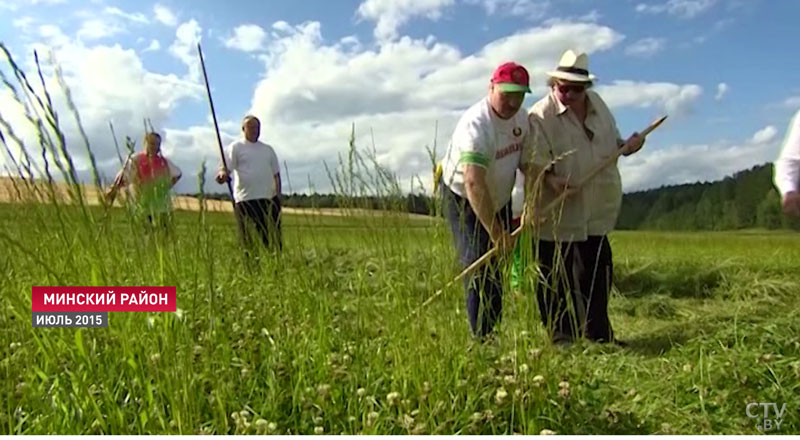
(791, 203)
(531, 217)
(503, 240)
(559, 184)
(223, 176)
(111, 194)
(633, 144)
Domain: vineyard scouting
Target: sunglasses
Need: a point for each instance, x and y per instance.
(574, 88)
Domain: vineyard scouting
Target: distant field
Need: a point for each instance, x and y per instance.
(16, 191)
(314, 341)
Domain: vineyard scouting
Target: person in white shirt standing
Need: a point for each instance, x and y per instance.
(487, 147)
(787, 169)
(256, 186)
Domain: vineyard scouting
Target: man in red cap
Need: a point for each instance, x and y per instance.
(487, 147)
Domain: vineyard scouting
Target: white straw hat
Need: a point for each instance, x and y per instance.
(573, 67)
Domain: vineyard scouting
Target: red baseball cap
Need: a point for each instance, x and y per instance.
(511, 77)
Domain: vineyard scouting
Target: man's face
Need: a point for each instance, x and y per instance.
(251, 129)
(569, 92)
(153, 145)
(505, 104)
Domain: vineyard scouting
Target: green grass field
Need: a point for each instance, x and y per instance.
(315, 342)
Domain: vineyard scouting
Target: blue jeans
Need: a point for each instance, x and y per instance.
(483, 288)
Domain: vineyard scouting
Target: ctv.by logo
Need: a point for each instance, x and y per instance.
(767, 424)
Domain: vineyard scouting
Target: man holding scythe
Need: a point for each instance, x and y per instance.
(574, 124)
(257, 186)
(152, 176)
(489, 144)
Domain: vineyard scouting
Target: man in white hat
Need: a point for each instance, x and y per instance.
(488, 146)
(574, 132)
(787, 169)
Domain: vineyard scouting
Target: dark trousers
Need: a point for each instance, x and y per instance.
(574, 288)
(483, 288)
(263, 216)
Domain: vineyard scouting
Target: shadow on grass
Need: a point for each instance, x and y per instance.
(676, 282)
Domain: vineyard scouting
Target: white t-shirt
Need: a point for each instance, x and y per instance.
(483, 139)
(518, 196)
(787, 167)
(253, 166)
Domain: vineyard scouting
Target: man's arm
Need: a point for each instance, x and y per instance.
(175, 173)
(223, 174)
(481, 201)
(537, 165)
(278, 189)
(120, 180)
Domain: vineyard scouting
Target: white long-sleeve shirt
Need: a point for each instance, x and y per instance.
(787, 167)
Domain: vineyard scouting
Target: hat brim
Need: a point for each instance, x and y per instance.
(513, 88)
(569, 76)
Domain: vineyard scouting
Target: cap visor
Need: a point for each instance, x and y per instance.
(511, 88)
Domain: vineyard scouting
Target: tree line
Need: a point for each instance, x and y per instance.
(747, 199)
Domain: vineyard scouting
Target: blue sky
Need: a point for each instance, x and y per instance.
(724, 70)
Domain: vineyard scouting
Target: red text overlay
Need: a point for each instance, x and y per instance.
(103, 299)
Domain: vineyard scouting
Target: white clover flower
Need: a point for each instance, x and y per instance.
(500, 395)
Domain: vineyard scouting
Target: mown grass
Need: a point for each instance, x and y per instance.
(315, 341)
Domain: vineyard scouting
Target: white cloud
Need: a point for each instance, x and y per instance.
(722, 90)
(24, 23)
(389, 15)
(532, 9)
(107, 83)
(184, 47)
(247, 38)
(137, 17)
(154, 46)
(765, 135)
(792, 102)
(675, 99)
(351, 41)
(14, 5)
(399, 89)
(646, 47)
(678, 164)
(283, 27)
(97, 28)
(165, 16)
(53, 35)
(679, 8)
(313, 90)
